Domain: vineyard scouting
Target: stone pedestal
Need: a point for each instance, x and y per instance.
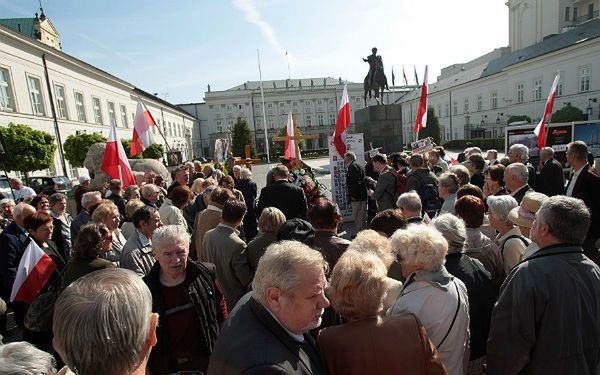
(381, 126)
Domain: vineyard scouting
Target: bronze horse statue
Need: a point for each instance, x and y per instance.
(378, 83)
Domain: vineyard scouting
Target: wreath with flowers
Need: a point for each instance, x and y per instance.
(306, 180)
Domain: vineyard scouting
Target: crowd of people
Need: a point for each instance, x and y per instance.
(458, 267)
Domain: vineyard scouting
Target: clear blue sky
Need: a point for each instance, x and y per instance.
(181, 46)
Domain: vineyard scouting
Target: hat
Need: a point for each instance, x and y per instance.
(297, 230)
(83, 179)
(524, 215)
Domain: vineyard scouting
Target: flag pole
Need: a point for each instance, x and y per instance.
(287, 55)
(262, 96)
(169, 149)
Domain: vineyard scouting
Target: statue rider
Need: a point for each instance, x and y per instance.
(374, 63)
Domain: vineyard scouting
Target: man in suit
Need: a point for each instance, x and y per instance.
(281, 194)
(516, 176)
(519, 153)
(267, 332)
(551, 180)
(585, 185)
(137, 251)
(223, 247)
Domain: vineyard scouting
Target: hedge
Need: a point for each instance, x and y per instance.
(306, 154)
(483, 143)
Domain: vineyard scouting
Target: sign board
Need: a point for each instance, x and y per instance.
(589, 132)
(221, 150)
(339, 190)
(422, 145)
(558, 137)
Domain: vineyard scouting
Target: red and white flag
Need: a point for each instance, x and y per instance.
(342, 123)
(33, 273)
(114, 162)
(422, 111)
(541, 129)
(290, 145)
(142, 138)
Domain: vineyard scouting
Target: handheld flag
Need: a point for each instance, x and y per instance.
(541, 128)
(114, 162)
(342, 123)
(422, 111)
(34, 271)
(142, 139)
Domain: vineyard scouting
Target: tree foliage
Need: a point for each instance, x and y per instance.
(76, 147)
(154, 151)
(568, 114)
(240, 137)
(518, 118)
(278, 147)
(433, 127)
(29, 149)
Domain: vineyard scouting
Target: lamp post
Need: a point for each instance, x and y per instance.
(589, 111)
(482, 125)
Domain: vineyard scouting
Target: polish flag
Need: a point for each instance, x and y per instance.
(422, 111)
(142, 138)
(114, 162)
(342, 123)
(290, 145)
(33, 273)
(541, 129)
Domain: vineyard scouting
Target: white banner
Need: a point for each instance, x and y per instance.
(339, 190)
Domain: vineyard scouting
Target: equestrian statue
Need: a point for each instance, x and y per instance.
(375, 79)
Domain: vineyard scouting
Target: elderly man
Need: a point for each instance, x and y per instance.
(19, 190)
(281, 194)
(88, 201)
(150, 195)
(516, 176)
(555, 291)
(80, 324)
(519, 153)
(267, 332)
(182, 178)
(7, 205)
(210, 218)
(585, 185)
(137, 251)
(149, 177)
(190, 305)
(410, 206)
(223, 247)
(357, 190)
(551, 180)
(492, 157)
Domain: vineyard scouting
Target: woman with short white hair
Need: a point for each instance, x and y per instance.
(437, 298)
(22, 358)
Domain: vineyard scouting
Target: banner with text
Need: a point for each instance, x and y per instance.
(339, 191)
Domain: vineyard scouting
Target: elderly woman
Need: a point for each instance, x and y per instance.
(494, 180)
(436, 297)
(271, 219)
(511, 242)
(249, 190)
(171, 211)
(107, 213)
(325, 217)
(481, 289)
(62, 223)
(132, 192)
(127, 228)
(369, 241)
(41, 203)
(478, 245)
(368, 343)
(93, 242)
(448, 184)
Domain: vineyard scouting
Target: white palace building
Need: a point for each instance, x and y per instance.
(49, 90)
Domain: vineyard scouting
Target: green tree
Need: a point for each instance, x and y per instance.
(240, 137)
(29, 149)
(568, 114)
(517, 118)
(127, 146)
(77, 146)
(154, 151)
(278, 147)
(433, 127)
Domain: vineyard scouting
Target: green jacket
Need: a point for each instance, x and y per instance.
(385, 190)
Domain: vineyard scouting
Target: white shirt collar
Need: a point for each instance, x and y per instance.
(145, 241)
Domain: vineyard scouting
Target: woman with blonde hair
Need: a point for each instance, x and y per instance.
(107, 213)
(368, 343)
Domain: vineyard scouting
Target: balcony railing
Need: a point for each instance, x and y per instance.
(586, 17)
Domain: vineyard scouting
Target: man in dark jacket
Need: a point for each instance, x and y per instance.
(519, 153)
(188, 301)
(357, 190)
(267, 332)
(281, 194)
(182, 178)
(551, 180)
(116, 195)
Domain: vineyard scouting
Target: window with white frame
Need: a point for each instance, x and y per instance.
(259, 123)
(308, 120)
(124, 116)
(307, 103)
(35, 94)
(281, 104)
(439, 110)
(319, 102)
(321, 119)
(332, 119)
(257, 106)
(269, 105)
(537, 89)
(520, 92)
(271, 122)
(6, 94)
(455, 107)
(559, 86)
(97, 110)
(331, 101)
(446, 109)
(61, 101)
(494, 99)
(479, 103)
(466, 105)
(112, 116)
(584, 78)
(79, 106)
(294, 104)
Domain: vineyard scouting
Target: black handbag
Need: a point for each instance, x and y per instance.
(38, 317)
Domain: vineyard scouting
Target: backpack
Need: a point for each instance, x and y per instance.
(400, 184)
(430, 198)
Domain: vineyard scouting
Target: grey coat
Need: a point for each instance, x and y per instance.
(385, 191)
(136, 257)
(546, 318)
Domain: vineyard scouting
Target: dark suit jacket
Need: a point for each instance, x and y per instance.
(532, 180)
(11, 251)
(330, 245)
(78, 221)
(252, 342)
(288, 198)
(355, 182)
(587, 188)
(521, 193)
(551, 180)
